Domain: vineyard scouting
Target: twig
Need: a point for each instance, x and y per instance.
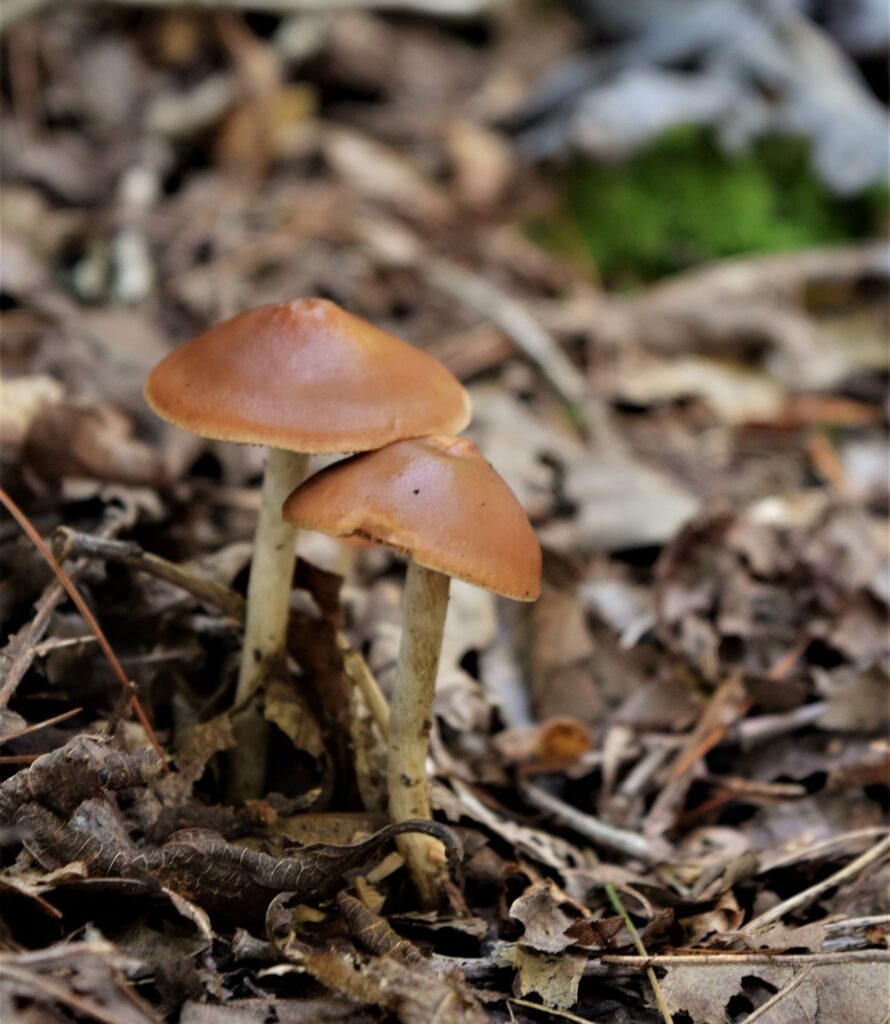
(84, 610)
(618, 904)
(16, 657)
(536, 343)
(551, 1011)
(640, 963)
(40, 725)
(808, 895)
(361, 676)
(59, 643)
(851, 923)
(813, 850)
(591, 828)
(779, 996)
(727, 705)
(69, 543)
(752, 731)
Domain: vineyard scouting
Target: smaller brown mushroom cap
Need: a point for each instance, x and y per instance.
(436, 498)
(305, 376)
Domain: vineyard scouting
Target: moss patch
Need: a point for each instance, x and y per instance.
(683, 201)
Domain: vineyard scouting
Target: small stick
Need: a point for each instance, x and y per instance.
(849, 924)
(808, 895)
(68, 543)
(528, 335)
(28, 729)
(779, 996)
(812, 850)
(84, 610)
(598, 832)
(640, 963)
(361, 676)
(751, 731)
(550, 1011)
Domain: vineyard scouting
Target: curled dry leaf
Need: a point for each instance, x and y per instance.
(95, 442)
(81, 769)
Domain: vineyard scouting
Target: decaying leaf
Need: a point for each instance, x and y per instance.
(554, 978)
(817, 993)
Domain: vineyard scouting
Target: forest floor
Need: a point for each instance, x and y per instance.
(669, 776)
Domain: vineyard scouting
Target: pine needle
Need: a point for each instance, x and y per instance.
(81, 605)
(617, 903)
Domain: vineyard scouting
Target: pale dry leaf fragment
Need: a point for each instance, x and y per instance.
(191, 912)
(854, 990)
(621, 503)
(287, 709)
(482, 161)
(498, 420)
(21, 400)
(94, 442)
(735, 392)
(378, 172)
(857, 701)
(544, 913)
(554, 978)
(89, 978)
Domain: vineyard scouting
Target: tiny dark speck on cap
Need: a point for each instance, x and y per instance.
(417, 491)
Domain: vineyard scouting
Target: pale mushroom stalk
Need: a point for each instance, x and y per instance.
(265, 627)
(271, 574)
(424, 603)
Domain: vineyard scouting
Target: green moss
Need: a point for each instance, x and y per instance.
(683, 201)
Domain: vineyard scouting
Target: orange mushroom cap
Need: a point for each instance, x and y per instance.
(436, 498)
(305, 376)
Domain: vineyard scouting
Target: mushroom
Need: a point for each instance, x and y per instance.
(302, 377)
(439, 501)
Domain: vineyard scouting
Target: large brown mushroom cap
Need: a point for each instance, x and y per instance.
(436, 498)
(305, 376)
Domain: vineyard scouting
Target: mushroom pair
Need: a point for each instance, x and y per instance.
(300, 378)
(305, 377)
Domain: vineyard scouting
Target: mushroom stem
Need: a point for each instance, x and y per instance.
(265, 627)
(424, 604)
